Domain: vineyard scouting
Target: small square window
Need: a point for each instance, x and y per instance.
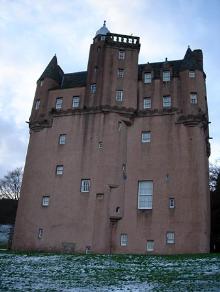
(75, 102)
(62, 139)
(85, 185)
(193, 98)
(170, 237)
(40, 233)
(166, 101)
(45, 201)
(171, 203)
(93, 88)
(147, 77)
(119, 95)
(166, 76)
(100, 196)
(59, 170)
(146, 137)
(37, 104)
(147, 103)
(150, 245)
(121, 55)
(121, 73)
(124, 240)
(59, 103)
(192, 74)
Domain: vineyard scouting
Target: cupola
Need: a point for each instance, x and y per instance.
(103, 30)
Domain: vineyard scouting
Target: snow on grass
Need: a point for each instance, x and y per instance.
(44, 272)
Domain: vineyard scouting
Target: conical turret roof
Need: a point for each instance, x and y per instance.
(53, 71)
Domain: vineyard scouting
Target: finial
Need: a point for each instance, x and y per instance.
(188, 46)
(166, 59)
(104, 23)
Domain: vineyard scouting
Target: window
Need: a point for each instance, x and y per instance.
(41, 82)
(145, 193)
(166, 101)
(40, 233)
(119, 125)
(75, 102)
(62, 139)
(146, 137)
(193, 98)
(147, 103)
(150, 245)
(45, 201)
(59, 170)
(170, 238)
(85, 185)
(121, 73)
(171, 203)
(192, 74)
(147, 77)
(93, 88)
(166, 76)
(121, 55)
(119, 95)
(59, 103)
(124, 240)
(37, 104)
(100, 144)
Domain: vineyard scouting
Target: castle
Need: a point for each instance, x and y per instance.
(117, 160)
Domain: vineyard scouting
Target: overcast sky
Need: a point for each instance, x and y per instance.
(31, 32)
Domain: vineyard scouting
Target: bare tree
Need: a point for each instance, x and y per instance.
(10, 185)
(214, 176)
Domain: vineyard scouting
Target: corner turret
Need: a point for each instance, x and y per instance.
(51, 78)
(52, 71)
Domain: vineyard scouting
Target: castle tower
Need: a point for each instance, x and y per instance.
(118, 155)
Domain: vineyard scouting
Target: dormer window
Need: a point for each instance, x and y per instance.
(93, 88)
(147, 78)
(166, 76)
(75, 102)
(121, 54)
(59, 103)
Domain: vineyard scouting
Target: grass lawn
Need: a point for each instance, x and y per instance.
(55, 272)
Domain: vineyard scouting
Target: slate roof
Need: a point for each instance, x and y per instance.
(192, 60)
(53, 71)
(77, 79)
